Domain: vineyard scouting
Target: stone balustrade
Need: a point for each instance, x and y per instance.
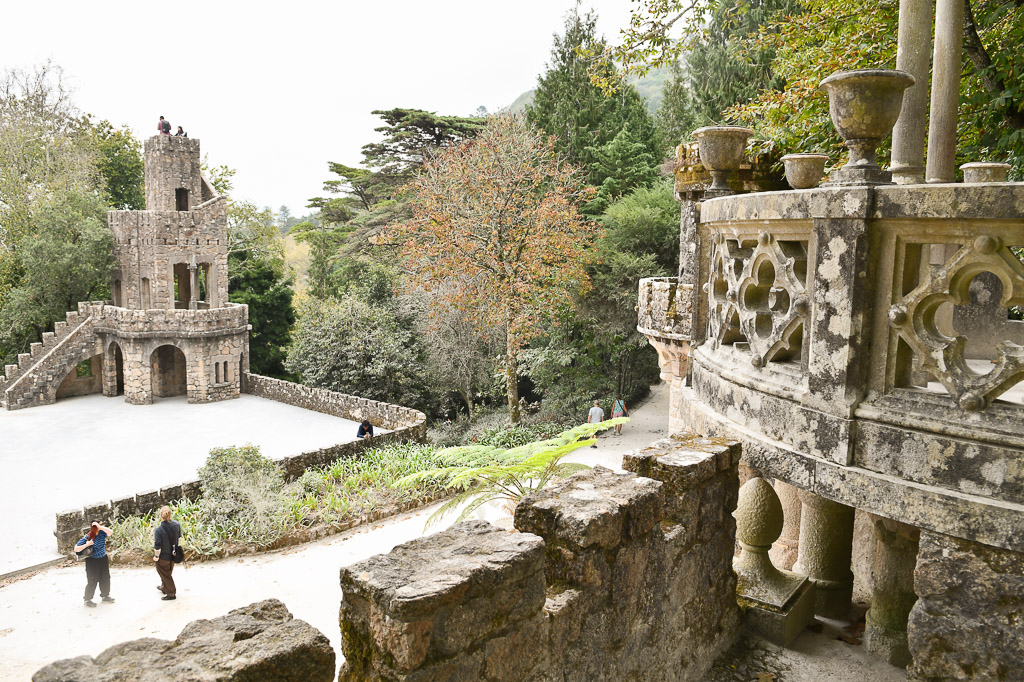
(860, 343)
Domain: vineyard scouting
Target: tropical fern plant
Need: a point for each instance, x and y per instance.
(479, 474)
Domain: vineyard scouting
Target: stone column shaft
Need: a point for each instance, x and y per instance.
(885, 632)
(826, 547)
(949, 38)
(913, 54)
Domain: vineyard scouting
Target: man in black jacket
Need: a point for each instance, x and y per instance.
(166, 538)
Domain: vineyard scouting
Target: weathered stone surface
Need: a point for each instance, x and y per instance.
(967, 622)
(614, 591)
(597, 508)
(434, 597)
(257, 642)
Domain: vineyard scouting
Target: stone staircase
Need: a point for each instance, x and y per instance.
(34, 379)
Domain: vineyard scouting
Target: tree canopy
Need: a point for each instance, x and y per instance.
(495, 221)
(583, 118)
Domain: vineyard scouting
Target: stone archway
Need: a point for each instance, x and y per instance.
(115, 359)
(169, 371)
(83, 378)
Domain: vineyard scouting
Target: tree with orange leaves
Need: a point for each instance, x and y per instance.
(496, 233)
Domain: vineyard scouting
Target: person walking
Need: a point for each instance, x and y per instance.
(619, 410)
(594, 416)
(97, 566)
(165, 539)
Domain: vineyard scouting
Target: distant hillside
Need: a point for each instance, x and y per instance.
(649, 87)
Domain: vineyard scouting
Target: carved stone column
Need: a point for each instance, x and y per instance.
(913, 54)
(946, 67)
(785, 550)
(826, 546)
(885, 633)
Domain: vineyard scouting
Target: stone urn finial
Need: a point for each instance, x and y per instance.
(980, 171)
(804, 171)
(864, 106)
(721, 149)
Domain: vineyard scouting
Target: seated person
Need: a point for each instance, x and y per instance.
(365, 430)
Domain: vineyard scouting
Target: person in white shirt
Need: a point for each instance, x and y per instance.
(595, 415)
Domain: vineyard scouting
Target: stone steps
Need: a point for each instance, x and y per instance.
(24, 382)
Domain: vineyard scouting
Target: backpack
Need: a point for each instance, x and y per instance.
(166, 126)
(177, 553)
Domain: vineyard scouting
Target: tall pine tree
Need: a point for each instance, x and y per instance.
(583, 119)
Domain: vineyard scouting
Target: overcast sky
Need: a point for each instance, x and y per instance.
(276, 90)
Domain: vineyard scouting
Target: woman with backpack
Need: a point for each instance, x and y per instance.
(97, 566)
(165, 540)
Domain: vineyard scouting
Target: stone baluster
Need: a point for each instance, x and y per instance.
(780, 604)
(946, 67)
(913, 56)
(784, 552)
(885, 633)
(826, 547)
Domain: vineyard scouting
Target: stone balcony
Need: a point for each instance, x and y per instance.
(860, 343)
(128, 323)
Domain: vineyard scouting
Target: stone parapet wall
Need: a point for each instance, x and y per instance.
(611, 577)
(127, 323)
(384, 415)
(664, 308)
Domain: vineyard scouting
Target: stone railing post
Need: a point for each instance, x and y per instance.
(838, 325)
(826, 549)
(892, 596)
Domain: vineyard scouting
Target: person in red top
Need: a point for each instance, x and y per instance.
(163, 126)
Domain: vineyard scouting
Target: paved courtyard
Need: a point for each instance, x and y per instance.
(88, 449)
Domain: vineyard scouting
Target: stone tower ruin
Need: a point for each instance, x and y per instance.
(169, 328)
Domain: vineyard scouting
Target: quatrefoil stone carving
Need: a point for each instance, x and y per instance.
(757, 295)
(942, 356)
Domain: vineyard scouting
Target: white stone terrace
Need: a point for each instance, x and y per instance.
(91, 449)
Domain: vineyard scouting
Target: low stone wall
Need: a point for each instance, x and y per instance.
(261, 641)
(405, 424)
(383, 415)
(611, 577)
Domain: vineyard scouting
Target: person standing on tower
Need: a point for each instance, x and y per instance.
(163, 126)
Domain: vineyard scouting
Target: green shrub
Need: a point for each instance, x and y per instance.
(242, 495)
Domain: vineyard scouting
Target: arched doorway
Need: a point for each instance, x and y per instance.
(169, 371)
(114, 351)
(84, 378)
